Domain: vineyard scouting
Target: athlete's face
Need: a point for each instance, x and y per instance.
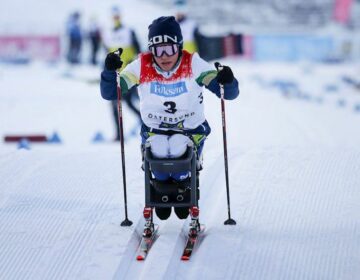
(165, 56)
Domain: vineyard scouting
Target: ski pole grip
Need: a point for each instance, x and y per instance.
(218, 66)
(119, 51)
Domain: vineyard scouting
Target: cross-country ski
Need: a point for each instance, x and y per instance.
(147, 240)
(193, 239)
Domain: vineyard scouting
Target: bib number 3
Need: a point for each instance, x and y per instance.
(170, 107)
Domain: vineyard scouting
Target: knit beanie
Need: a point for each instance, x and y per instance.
(165, 30)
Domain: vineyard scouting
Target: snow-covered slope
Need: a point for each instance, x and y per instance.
(294, 166)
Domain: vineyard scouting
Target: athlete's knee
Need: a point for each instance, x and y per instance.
(178, 144)
(159, 145)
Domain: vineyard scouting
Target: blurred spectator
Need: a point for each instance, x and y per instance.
(95, 39)
(122, 36)
(189, 29)
(73, 31)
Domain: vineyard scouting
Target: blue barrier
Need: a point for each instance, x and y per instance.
(292, 47)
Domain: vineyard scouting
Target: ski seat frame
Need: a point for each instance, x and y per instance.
(170, 188)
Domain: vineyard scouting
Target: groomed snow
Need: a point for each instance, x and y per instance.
(294, 166)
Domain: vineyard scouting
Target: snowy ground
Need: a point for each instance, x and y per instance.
(294, 163)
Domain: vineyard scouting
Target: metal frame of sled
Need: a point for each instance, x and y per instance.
(171, 193)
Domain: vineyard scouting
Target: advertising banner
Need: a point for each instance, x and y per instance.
(26, 48)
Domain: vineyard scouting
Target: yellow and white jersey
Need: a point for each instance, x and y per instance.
(188, 27)
(120, 38)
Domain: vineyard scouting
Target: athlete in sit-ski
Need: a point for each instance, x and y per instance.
(170, 82)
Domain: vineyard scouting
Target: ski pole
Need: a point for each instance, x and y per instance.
(126, 222)
(229, 221)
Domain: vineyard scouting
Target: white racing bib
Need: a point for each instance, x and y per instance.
(169, 103)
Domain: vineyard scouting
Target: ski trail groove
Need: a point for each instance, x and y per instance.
(294, 232)
(54, 223)
(129, 255)
(174, 243)
(213, 199)
(177, 269)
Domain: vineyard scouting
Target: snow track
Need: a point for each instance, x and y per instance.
(167, 250)
(50, 223)
(291, 228)
(288, 227)
(296, 211)
(294, 170)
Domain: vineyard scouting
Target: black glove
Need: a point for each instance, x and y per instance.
(113, 60)
(225, 75)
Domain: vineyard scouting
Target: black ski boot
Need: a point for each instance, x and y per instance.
(149, 225)
(182, 212)
(163, 213)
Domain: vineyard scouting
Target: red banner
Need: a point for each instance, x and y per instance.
(29, 47)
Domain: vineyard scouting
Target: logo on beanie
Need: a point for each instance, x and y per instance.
(162, 39)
